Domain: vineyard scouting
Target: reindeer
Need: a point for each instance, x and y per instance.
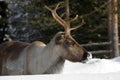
(21, 58)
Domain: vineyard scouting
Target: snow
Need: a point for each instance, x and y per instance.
(94, 69)
(93, 66)
(109, 76)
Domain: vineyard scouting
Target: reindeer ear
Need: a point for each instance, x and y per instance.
(60, 39)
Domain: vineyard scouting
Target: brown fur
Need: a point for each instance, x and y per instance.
(10, 50)
(38, 43)
(54, 55)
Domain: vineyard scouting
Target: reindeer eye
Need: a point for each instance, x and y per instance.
(59, 39)
(70, 43)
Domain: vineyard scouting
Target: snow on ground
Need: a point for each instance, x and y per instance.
(94, 69)
(93, 66)
(83, 76)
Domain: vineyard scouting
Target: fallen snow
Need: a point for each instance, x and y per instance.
(84, 76)
(93, 66)
(94, 69)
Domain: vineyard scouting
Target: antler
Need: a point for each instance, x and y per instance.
(75, 27)
(59, 19)
(63, 22)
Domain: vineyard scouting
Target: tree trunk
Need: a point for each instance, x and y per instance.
(113, 28)
(67, 12)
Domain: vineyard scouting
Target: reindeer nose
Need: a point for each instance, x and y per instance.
(89, 56)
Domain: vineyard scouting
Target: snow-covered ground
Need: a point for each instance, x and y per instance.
(83, 76)
(93, 66)
(94, 69)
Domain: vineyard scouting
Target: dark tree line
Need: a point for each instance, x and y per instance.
(3, 21)
(96, 23)
(34, 22)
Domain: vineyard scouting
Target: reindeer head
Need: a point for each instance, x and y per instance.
(72, 50)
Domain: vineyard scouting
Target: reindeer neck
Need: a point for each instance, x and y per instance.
(47, 60)
(54, 60)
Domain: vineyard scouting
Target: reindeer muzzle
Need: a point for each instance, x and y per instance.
(89, 57)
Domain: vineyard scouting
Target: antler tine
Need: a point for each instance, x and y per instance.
(58, 18)
(75, 27)
(57, 6)
(76, 17)
(53, 9)
(48, 8)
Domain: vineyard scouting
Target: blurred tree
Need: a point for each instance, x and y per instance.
(113, 27)
(95, 17)
(94, 12)
(30, 21)
(3, 21)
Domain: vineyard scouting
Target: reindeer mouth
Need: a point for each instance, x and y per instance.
(89, 57)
